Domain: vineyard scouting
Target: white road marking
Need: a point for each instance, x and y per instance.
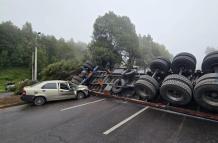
(183, 114)
(82, 105)
(124, 121)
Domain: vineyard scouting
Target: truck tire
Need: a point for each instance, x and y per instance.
(206, 94)
(176, 92)
(118, 85)
(129, 73)
(179, 78)
(187, 54)
(128, 92)
(185, 62)
(145, 89)
(160, 64)
(211, 53)
(209, 62)
(151, 80)
(207, 76)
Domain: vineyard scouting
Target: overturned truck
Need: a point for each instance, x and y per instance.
(173, 86)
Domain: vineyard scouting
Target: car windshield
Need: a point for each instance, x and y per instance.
(72, 85)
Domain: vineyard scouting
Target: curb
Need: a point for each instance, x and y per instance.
(11, 105)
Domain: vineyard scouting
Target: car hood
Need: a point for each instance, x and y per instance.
(81, 87)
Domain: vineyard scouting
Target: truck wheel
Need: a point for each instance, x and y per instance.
(179, 78)
(38, 101)
(145, 89)
(176, 92)
(209, 62)
(151, 80)
(185, 62)
(129, 73)
(187, 54)
(128, 92)
(118, 85)
(161, 64)
(206, 94)
(81, 95)
(207, 76)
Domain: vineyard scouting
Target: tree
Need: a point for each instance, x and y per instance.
(17, 45)
(150, 50)
(210, 49)
(114, 37)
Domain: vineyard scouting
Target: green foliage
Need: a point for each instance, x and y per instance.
(115, 35)
(13, 75)
(115, 41)
(149, 50)
(20, 85)
(17, 45)
(60, 70)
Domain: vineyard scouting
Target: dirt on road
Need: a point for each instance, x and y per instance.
(9, 100)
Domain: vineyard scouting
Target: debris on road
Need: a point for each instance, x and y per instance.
(11, 100)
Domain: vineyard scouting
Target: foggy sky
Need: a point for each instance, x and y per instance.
(185, 25)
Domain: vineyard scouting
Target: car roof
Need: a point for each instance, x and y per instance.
(49, 81)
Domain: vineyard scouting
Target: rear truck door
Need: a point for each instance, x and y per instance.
(65, 91)
(50, 90)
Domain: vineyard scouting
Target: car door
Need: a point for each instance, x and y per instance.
(65, 91)
(50, 91)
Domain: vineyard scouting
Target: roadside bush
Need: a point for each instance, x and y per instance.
(61, 70)
(20, 85)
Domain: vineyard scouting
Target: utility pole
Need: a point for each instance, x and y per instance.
(35, 72)
(34, 59)
(33, 55)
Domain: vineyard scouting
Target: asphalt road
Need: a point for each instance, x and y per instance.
(87, 121)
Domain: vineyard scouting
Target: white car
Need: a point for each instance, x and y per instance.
(52, 90)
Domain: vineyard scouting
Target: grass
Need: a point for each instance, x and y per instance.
(13, 75)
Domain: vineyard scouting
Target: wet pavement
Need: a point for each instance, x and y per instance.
(87, 121)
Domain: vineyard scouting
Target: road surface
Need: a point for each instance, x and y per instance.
(98, 120)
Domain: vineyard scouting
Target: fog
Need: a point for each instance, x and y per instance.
(188, 25)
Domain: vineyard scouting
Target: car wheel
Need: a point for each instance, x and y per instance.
(81, 95)
(38, 101)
